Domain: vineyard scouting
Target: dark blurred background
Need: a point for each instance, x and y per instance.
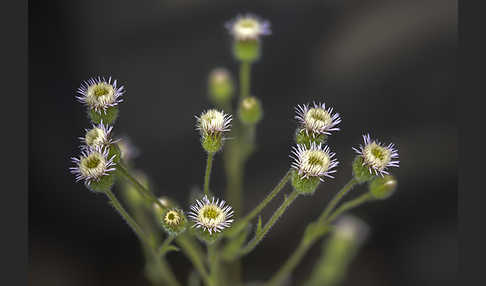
(388, 67)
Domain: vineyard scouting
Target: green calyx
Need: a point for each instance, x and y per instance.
(212, 143)
(246, 50)
(304, 186)
(303, 138)
(102, 185)
(108, 117)
(174, 222)
(360, 172)
(250, 110)
(383, 187)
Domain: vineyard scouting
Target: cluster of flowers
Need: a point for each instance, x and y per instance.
(312, 160)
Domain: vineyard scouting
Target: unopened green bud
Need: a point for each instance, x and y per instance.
(174, 221)
(107, 116)
(383, 187)
(250, 110)
(246, 50)
(360, 171)
(307, 138)
(221, 86)
(304, 186)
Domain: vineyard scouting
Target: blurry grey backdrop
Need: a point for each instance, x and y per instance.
(388, 67)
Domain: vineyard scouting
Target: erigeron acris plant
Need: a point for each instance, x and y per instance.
(163, 225)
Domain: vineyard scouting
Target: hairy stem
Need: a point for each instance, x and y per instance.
(309, 238)
(276, 215)
(214, 264)
(143, 190)
(242, 222)
(336, 199)
(207, 176)
(169, 276)
(245, 68)
(194, 255)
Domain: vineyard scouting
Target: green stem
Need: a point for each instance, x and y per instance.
(194, 256)
(207, 176)
(337, 198)
(276, 215)
(309, 238)
(166, 242)
(130, 221)
(168, 274)
(213, 257)
(245, 68)
(144, 191)
(244, 221)
(292, 262)
(349, 205)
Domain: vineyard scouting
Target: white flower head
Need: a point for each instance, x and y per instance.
(92, 165)
(99, 94)
(213, 122)
(98, 135)
(317, 119)
(316, 161)
(248, 27)
(211, 215)
(376, 156)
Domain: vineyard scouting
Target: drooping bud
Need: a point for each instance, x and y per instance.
(383, 187)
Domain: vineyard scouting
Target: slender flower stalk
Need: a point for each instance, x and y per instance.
(144, 191)
(276, 215)
(207, 176)
(315, 231)
(169, 276)
(244, 221)
(245, 71)
(336, 199)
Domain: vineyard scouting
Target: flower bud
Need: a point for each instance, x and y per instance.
(212, 125)
(250, 110)
(174, 221)
(220, 86)
(383, 187)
